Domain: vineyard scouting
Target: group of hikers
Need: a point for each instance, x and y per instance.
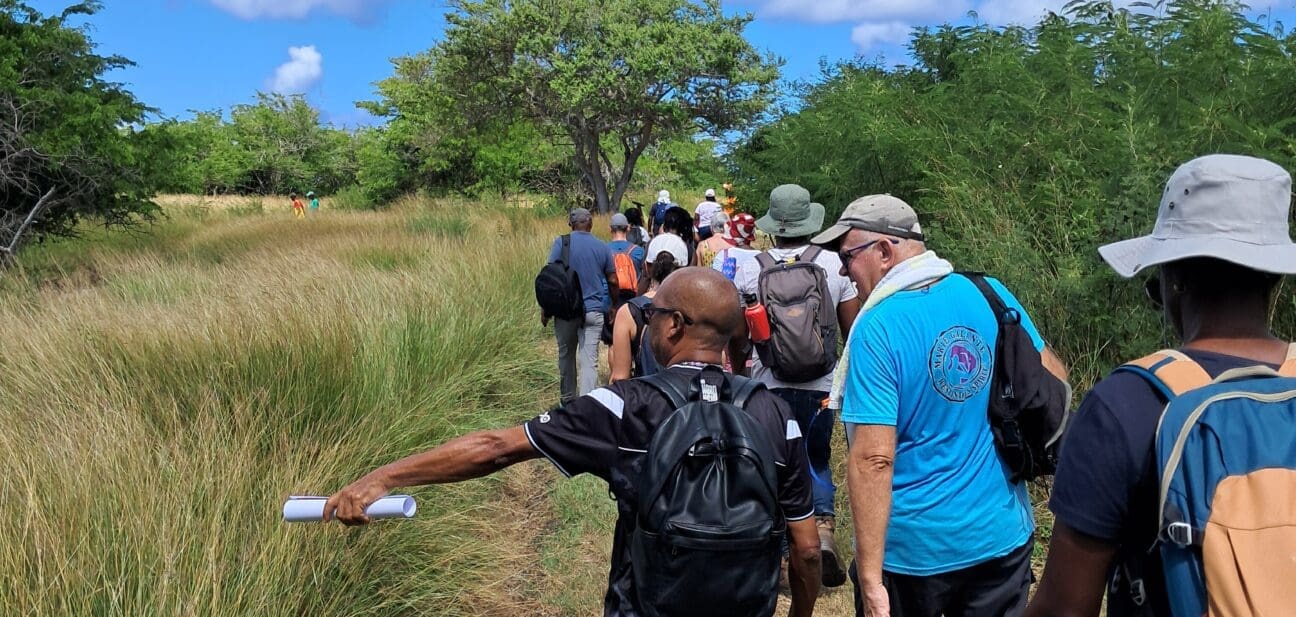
(1174, 482)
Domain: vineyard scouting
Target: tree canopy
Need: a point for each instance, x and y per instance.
(1024, 149)
(604, 80)
(66, 136)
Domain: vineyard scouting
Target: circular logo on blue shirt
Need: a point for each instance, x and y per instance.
(960, 364)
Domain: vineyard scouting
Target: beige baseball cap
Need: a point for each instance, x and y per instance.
(881, 214)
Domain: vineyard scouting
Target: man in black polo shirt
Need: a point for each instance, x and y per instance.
(606, 433)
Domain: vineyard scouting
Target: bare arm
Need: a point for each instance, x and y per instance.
(620, 357)
(463, 458)
(1054, 364)
(847, 311)
(1075, 575)
(869, 471)
(739, 349)
(804, 566)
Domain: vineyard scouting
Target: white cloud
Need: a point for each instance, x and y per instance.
(1017, 12)
(358, 10)
(830, 11)
(867, 35)
(302, 71)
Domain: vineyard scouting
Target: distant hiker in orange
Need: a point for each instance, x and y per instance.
(730, 200)
(299, 209)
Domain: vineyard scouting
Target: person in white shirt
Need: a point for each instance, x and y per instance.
(703, 214)
(792, 220)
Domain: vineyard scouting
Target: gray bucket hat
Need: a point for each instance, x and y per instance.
(1233, 208)
(791, 213)
(881, 214)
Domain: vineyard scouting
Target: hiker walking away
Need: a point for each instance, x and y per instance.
(630, 355)
(628, 258)
(657, 213)
(637, 234)
(578, 334)
(314, 201)
(731, 199)
(670, 240)
(739, 232)
(679, 222)
(677, 549)
(702, 214)
(719, 241)
(940, 527)
(1220, 243)
(299, 210)
(808, 302)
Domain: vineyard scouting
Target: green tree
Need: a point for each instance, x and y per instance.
(606, 79)
(66, 136)
(1024, 149)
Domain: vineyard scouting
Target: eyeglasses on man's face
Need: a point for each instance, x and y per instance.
(651, 311)
(848, 254)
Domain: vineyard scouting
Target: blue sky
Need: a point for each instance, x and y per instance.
(209, 54)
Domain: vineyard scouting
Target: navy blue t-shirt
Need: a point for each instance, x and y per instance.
(1106, 484)
(592, 261)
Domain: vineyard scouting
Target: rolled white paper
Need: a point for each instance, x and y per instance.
(311, 509)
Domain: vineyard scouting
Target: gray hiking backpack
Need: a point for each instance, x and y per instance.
(802, 318)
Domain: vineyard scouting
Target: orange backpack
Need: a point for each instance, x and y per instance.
(627, 274)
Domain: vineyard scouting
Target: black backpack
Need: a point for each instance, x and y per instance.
(558, 289)
(709, 527)
(1029, 406)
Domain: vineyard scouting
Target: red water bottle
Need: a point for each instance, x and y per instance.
(757, 323)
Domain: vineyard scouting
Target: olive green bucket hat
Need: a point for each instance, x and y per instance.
(791, 213)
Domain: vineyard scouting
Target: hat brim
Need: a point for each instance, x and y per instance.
(784, 229)
(832, 236)
(1129, 257)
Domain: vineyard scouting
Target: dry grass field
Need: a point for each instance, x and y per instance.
(164, 390)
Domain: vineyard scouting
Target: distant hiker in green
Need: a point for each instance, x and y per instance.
(314, 201)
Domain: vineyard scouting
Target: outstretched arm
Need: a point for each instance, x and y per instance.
(464, 458)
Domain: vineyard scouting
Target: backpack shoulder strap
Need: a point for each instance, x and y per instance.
(766, 260)
(1288, 368)
(1172, 372)
(741, 390)
(992, 297)
(566, 250)
(811, 253)
(669, 386)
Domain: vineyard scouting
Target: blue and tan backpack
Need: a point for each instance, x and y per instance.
(1226, 459)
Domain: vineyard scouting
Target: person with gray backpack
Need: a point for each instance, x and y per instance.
(800, 294)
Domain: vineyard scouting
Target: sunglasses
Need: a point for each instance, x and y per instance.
(849, 254)
(651, 311)
(1152, 287)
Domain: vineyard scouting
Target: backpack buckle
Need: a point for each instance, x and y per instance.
(1180, 533)
(1138, 593)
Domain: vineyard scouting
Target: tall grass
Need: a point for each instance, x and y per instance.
(161, 395)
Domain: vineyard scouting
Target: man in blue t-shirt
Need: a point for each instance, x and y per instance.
(939, 527)
(578, 339)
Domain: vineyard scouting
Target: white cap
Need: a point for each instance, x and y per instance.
(710, 192)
